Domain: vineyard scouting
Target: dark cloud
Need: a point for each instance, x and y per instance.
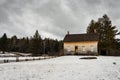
(53, 18)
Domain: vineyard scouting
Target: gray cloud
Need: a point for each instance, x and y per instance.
(53, 18)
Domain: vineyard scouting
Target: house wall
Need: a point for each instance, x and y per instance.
(86, 47)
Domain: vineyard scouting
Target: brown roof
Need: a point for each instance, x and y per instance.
(80, 37)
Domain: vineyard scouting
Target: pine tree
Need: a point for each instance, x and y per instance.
(27, 44)
(106, 32)
(13, 43)
(91, 28)
(47, 45)
(36, 44)
(3, 43)
(55, 46)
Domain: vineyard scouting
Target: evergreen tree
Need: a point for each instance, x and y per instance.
(91, 28)
(56, 46)
(47, 45)
(27, 44)
(13, 43)
(36, 44)
(22, 45)
(106, 32)
(3, 43)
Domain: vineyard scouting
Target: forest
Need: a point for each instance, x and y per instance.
(35, 45)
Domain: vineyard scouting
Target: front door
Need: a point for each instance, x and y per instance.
(76, 49)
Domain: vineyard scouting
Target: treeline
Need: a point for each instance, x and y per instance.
(35, 45)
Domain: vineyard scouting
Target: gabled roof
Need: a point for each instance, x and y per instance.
(80, 37)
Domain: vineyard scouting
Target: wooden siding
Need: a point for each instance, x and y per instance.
(85, 47)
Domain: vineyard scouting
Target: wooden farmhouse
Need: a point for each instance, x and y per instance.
(81, 44)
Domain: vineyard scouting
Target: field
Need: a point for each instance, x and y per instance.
(63, 68)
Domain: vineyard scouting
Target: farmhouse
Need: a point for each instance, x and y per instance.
(81, 44)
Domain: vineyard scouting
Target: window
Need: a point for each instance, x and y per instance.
(68, 48)
(92, 48)
(83, 49)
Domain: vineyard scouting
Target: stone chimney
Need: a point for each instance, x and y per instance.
(68, 33)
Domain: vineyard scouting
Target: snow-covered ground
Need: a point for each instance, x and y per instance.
(14, 54)
(13, 59)
(7, 54)
(63, 68)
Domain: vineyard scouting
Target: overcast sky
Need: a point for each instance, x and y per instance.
(53, 18)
